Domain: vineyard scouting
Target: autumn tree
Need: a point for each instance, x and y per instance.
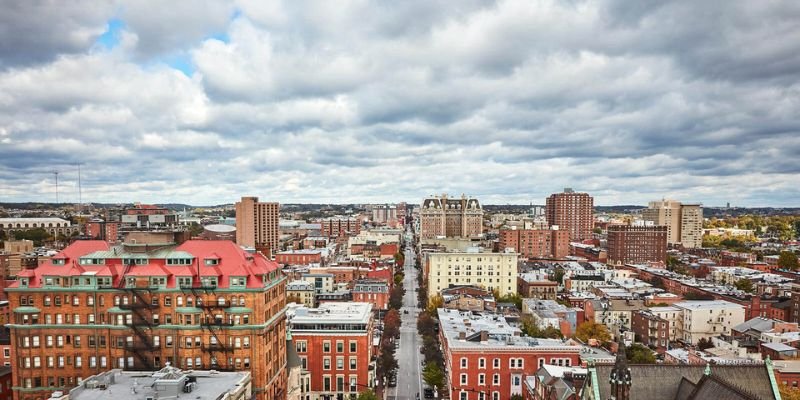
(294, 298)
(367, 395)
(788, 260)
(435, 303)
(391, 324)
(744, 284)
(425, 324)
(592, 330)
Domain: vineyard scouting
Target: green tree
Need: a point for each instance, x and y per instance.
(530, 328)
(592, 330)
(516, 397)
(38, 235)
(387, 364)
(425, 324)
(597, 230)
(788, 260)
(513, 298)
(558, 276)
(744, 284)
(704, 343)
(640, 354)
(398, 278)
(367, 395)
(433, 375)
(195, 229)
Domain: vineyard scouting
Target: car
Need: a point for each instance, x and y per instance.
(405, 311)
(428, 393)
(392, 382)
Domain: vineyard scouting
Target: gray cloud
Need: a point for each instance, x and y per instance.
(509, 100)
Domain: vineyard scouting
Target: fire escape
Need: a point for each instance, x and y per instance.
(141, 324)
(214, 325)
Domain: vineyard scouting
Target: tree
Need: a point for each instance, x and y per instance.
(592, 330)
(435, 303)
(704, 343)
(367, 395)
(391, 324)
(788, 260)
(513, 298)
(433, 375)
(744, 284)
(398, 278)
(530, 328)
(558, 276)
(516, 397)
(640, 354)
(598, 230)
(425, 324)
(195, 229)
(37, 235)
(396, 297)
(399, 259)
(788, 392)
(387, 364)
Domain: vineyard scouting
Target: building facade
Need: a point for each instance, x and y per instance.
(706, 319)
(487, 359)
(257, 225)
(372, 291)
(340, 226)
(53, 226)
(442, 216)
(202, 304)
(636, 244)
(487, 270)
(684, 222)
(334, 343)
(536, 243)
(571, 212)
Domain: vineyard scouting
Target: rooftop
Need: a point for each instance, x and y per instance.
(706, 305)
(128, 385)
(333, 313)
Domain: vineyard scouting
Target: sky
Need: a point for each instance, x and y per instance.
(202, 102)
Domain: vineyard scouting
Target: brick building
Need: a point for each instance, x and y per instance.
(334, 343)
(571, 212)
(257, 224)
(536, 285)
(300, 257)
(650, 329)
(372, 291)
(202, 304)
(340, 226)
(486, 358)
(536, 243)
(98, 229)
(636, 244)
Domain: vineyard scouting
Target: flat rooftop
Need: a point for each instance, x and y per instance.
(706, 304)
(499, 333)
(334, 313)
(135, 385)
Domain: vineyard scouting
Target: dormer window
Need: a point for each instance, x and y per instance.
(212, 261)
(179, 261)
(23, 282)
(59, 261)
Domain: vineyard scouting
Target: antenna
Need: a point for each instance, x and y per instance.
(56, 174)
(80, 197)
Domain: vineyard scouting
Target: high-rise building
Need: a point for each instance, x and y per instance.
(200, 305)
(257, 224)
(636, 244)
(451, 217)
(335, 227)
(334, 343)
(684, 222)
(384, 213)
(572, 212)
(536, 243)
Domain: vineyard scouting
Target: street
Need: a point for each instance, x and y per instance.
(409, 374)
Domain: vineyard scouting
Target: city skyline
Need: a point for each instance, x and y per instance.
(354, 102)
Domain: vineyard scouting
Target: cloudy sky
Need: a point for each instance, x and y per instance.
(202, 102)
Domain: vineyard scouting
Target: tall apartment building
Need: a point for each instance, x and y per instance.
(257, 225)
(572, 212)
(487, 270)
(536, 243)
(340, 226)
(93, 307)
(450, 217)
(334, 343)
(636, 244)
(684, 222)
(383, 213)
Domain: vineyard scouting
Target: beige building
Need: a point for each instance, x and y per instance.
(303, 290)
(441, 216)
(257, 224)
(472, 267)
(673, 316)
(707, 319)
(684, 222)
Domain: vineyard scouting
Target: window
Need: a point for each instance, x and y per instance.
(496, 363)
(352, 346)
(90, 300)
(463, 396)
(481, 379)
(496, 379)
(353, 363)
(481, 363)
(339, 362)
(463, 362)
(167, 301)
(339, 346)
(463, 379)
(326, 346)
(300, 345)
(326, 363)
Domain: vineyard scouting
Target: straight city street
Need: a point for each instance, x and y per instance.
(409, 373)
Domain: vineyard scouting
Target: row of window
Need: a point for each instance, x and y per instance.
(102, 362)
(75, 300)
(127, 319)
(126, 341)
(302, 346)
(326, 363)
(353, 385)
(515, 363)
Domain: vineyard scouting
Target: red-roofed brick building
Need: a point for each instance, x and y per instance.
(200, 305)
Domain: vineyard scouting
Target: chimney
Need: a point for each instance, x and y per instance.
(462, 335)
(484, 336)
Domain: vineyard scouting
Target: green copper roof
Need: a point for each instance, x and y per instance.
(26, 309)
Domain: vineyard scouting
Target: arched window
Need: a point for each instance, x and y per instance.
(30, 300)
(220, 301)
(179, 301)
(241, 301)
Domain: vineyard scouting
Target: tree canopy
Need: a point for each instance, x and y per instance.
(788, 260)
(433, 375)
(367, 395)
(744, 284)
(640, 354)
(592, 330)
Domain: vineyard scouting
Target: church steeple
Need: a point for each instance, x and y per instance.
(620, 378)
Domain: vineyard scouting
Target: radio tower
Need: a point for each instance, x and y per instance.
(56, 174)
